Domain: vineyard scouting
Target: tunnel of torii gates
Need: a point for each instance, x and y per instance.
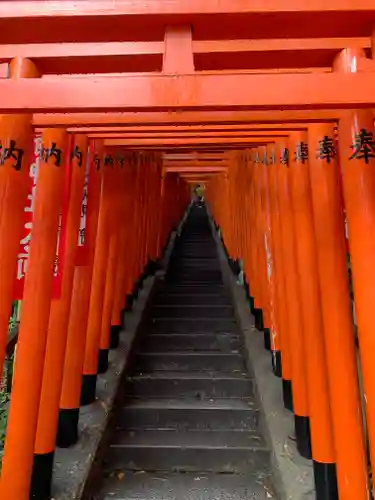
(269, 106)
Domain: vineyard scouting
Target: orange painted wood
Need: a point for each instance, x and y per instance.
(209, 91)
(190, 117)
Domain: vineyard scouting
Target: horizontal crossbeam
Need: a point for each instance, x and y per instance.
(189, 92)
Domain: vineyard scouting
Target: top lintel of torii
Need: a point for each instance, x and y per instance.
(115, 20)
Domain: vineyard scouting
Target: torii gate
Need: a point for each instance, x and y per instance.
(200, 86)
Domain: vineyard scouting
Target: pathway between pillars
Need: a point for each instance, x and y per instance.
(189, 426)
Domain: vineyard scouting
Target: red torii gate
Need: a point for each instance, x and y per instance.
(207, 81)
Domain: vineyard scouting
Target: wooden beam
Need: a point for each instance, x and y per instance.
(189, 118)
(107, 57)
(195, 170)
(32, 21)
(162, 129)
(72, 8)
(178, 135)
(38, 51)
(183, 141)
(189, 92)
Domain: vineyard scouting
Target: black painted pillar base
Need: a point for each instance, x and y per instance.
(88, 392)
(251, 305)
(67, 432)
(114, 338)
(103, 360)
(303, 436)
(123, 315)
(287, 394)
(267, 339)
(129, 300)
(41, 478)
(247, 289)
(277, 364)
(325, 481)
(258, 318)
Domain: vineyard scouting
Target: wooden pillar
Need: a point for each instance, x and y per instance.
(337, 318)
(117, 192)
(357, 161)
(295, 393)
(312, 324)
(75, 347)
(23, 412)
(16, 141)
(94, 322)
(57, 330)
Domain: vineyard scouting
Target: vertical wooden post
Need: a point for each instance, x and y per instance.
(90, 365)
(75, 347)
(295, 387)
(15, 131)
(279, 335)
(117, 318)
(57, 333)
(338, 322)
(357, 161)
(320, 415)
(117, 191)
(23, 412)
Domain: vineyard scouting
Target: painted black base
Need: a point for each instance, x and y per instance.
(129, 301)
(140, 283)
(277, 364)
(267, 339)
(88, 391)
(303, 437)
(258, 318)
(287, 394)
(41, 478)
(251, 305)
(153, 266)
(103, 360)
(325, 481)
(67, 431)
(114, 339)
(123, 315)
(247, 290)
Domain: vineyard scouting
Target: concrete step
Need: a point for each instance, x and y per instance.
(182, 361)
(189, 414)
(203, 451)
(170, 342)
(192, 385)
(187, 486)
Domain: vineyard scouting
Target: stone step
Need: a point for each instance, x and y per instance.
(192, 385)
(190, 342)
(187, 486)
(181, 361)
(192, 325)
(202, 451)
(187, 311)
(189, 414)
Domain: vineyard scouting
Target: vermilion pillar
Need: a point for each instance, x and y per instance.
(279, 346)
(23, 412)
(114, 222)
(75, 347)
(57, 329)
(312, 324)
(90, 366)
(16, 140)
(337, 318)
(295, 386)
(357, 161)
